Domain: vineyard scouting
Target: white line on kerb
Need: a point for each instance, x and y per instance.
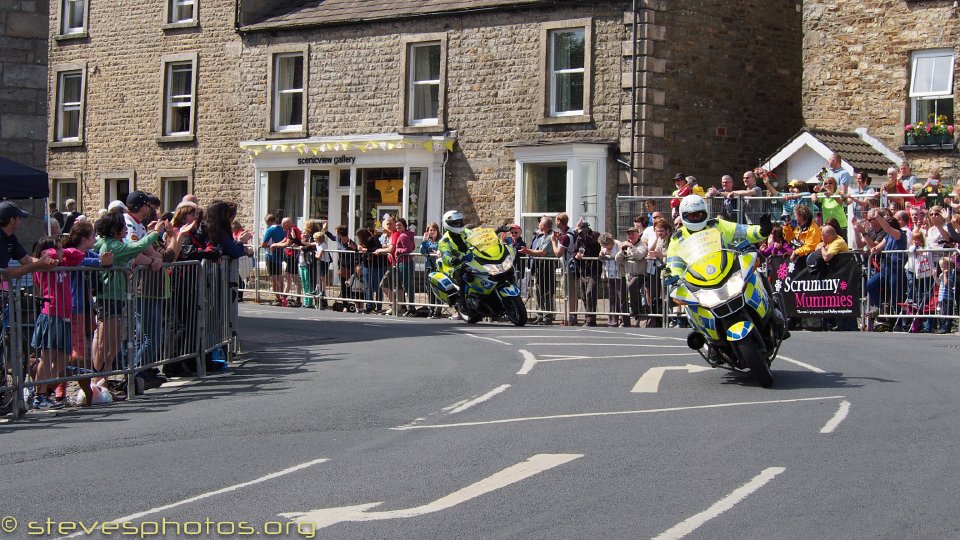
(487, 338)
(801, 364)
(614, 413)
(202, 496)
(838, 417)
(690, 524)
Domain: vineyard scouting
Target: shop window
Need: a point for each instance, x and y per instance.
(544, 189)
(288, 92)
(285, 195)
(320, 195)
(931, 86)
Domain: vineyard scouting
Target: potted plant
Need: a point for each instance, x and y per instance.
(940, 132)
(917, 134)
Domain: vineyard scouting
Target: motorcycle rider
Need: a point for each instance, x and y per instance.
(693, 215)
(453, 247)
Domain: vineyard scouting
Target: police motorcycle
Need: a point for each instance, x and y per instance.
(730, 306)
(484, 285)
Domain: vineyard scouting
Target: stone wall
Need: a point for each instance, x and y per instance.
(23, 81)
(857, 58)
(123, 101)
(722, 86)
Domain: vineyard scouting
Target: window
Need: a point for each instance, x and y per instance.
(116, 186)
(69, 112)
(64, 189)
(178, 98)
(424, 84)
(285, 195)
(566, 72)
(561, 178)
(320, 194)
(73, 17)
(288, 92)
(931, 85)
(173, 190)
(180, 11)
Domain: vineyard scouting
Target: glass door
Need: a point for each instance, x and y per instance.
(320, 196)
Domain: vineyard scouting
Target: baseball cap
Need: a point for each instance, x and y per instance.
(9, 210)
(117, 204)
(795, 183)
(139, 199)
(514, 226)
(679, 176)
(633, 229)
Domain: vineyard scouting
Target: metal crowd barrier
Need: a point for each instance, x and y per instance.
(913, 291)
(89, 323)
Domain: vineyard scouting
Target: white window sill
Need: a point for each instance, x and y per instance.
(571, 119)
(176, 138)
(182, 24)
(65, 144)
(72, 35)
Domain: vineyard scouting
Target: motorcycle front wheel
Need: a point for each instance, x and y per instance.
(749, 352)
(515, 310)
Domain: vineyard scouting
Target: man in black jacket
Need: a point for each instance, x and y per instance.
(586, 252)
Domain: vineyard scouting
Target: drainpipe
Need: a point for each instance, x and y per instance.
(633, 103)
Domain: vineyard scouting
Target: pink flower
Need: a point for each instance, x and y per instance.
(908, 127)
(928, 128)
(950, 130)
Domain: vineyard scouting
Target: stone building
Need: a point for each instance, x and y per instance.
(881, 65)
(23, 81)
(351, 109)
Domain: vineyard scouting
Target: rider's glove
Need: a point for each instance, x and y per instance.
(467, 257)
(766, 225)
(671, 280)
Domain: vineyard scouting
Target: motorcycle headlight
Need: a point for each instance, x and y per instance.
(711, 298)
(498, 268)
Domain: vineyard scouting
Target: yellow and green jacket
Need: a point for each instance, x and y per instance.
(734, 236)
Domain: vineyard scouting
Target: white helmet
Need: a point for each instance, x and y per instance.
(453, 221)
(693, 212)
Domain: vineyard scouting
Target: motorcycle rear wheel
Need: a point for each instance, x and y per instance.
(515, 310)
(749, 352)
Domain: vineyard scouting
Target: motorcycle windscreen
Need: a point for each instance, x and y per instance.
(486, 242)
(707, 262)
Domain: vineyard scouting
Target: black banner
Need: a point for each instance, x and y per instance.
(832, 291)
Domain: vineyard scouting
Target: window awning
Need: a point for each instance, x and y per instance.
(360, 143)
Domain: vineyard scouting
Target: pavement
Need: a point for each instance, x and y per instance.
(358, 426)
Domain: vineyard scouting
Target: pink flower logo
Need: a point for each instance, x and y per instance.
(843, 285)
(782, 271)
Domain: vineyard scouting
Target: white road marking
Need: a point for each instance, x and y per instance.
(487, 338)
(690, 524)
(202, 496)
(530, 360)
(466, 405)
(649, 383)
(801, 364)
(606, 345)
(838, 417)
(325, 517)
(615, 413)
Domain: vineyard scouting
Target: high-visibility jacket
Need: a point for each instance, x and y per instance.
(733, 235)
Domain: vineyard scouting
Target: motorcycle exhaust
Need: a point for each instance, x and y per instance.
(696, 341)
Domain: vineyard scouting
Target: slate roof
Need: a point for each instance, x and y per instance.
(291, 13)
(854, 150)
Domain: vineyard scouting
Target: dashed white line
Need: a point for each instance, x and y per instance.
(690, 524)
(613, 413)
(801, 364)
(838, 417)
(466, 405)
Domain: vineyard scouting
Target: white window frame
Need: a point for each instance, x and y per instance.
(555, 73)
(575, 156)
(173, 175)
(108, 182)
(62, 106)
(279, 92)
(65, 23)
(930, 94)
(171, 102)
(173, 7)
(57, 191)
(412, 84)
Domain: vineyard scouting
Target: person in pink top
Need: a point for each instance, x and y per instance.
(52, 335)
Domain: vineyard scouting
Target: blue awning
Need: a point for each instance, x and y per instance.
(17, 181)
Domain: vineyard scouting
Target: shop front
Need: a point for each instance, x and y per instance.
(352, 181)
